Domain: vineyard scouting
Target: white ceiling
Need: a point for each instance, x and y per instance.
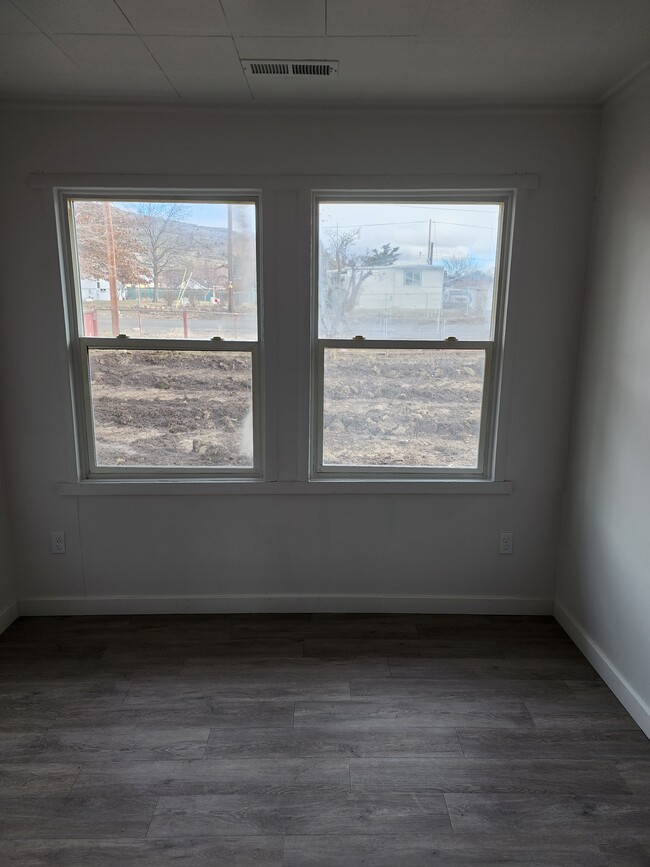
(389, 51)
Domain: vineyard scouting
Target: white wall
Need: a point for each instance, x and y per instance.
(604, 579)
(365, 546)
(8, 594)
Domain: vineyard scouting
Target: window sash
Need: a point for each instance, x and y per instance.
(68, 241)
(87, 439)
(333, 471)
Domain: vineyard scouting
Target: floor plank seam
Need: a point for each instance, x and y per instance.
(530, 716)
(153, 814)
(76, 779)
(460, 743)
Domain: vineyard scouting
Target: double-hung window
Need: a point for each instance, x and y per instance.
(164, 325)
(408, 324)
(395, 373)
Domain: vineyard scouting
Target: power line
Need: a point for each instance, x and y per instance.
(437, 207)
(413, 223)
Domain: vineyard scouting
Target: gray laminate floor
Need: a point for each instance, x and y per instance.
(300, 740)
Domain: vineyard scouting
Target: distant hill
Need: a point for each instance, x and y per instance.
(155, 246)
(199, 251)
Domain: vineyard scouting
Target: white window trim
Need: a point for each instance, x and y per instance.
(286, 458)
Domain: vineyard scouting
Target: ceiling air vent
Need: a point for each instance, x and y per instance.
(291, 68)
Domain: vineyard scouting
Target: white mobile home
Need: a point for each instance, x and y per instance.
(403, 287)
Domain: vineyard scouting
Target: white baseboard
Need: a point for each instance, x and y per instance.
(285, 603)
(624, 692)
(8, 616)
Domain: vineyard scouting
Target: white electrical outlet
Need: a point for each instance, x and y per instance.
(57, 543)
(506, 542)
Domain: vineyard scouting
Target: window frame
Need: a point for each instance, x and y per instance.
(412, 277)
(494, 348)
(79, 345)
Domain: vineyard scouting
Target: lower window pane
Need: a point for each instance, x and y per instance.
(402, 407)
(160, 408)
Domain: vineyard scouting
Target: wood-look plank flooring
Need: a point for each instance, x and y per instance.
(314, 741)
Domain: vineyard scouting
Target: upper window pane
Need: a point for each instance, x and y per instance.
(407, 270)
(166, 269)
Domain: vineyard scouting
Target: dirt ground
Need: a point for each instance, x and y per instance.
(402, 407)
(381, 407)
(170, 409)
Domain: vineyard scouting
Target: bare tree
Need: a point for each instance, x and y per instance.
(457, 267)
(346, 270)
(162, 242)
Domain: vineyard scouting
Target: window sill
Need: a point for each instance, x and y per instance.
(221, 487)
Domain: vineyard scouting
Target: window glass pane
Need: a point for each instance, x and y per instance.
(402, 407)
(407, 270)
(166, 269)
(171, 408)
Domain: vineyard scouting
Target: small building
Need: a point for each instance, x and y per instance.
(99, 290)
(94, 290)
(403, 287)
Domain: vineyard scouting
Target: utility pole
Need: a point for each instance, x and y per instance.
(230, 274)
(429, 259)
(112, 269)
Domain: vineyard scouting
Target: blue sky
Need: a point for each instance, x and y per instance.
(213, 214)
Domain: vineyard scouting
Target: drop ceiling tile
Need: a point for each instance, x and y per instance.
(546, 71)
(572, 21)
(201, 68)
(123, 53)
(473, 18)
(75, 16)
(176, 17)
(585, 19)
(115, 67)
(13, 21)
(28, 59)
(277, 47)
(379, 18)
(275, 17)
(408, 71)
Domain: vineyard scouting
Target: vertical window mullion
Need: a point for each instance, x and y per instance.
(317, 405)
